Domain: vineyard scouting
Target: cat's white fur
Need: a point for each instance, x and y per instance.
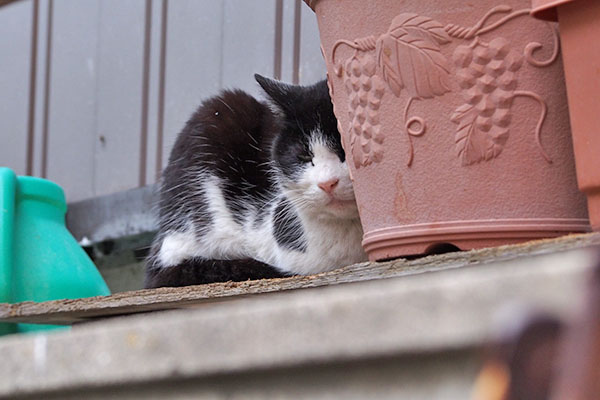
(332, 231)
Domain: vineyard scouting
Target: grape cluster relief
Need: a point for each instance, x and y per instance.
(408, 58)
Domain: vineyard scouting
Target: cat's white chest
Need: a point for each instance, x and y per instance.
(328, 246)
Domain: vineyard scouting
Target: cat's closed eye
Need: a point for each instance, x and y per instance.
(306, 158)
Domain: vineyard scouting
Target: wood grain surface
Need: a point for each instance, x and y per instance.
(74, 311)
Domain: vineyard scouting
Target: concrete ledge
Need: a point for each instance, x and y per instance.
(430, 313)
(447, 376)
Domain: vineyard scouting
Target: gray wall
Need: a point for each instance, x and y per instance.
(93, 92)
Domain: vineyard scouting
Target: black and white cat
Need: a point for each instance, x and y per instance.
(256, 191)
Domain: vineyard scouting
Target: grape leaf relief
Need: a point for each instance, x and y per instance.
(409, 56)
(407, 60)
(477, 138)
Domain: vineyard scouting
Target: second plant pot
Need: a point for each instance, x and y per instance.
(579, 33)
(454, 122)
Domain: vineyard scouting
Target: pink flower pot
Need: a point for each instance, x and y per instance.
(454, 122)
(579, 35)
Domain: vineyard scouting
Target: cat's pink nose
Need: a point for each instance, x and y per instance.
(329, 185)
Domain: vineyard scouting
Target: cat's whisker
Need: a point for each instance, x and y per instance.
(225, 104)
(252, 138)
(255, 148)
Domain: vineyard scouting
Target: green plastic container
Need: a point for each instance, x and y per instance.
(39, 259)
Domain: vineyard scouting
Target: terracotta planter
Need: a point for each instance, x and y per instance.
(454, 122)
(579, 34)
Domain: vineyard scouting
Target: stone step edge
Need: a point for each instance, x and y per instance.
(423, 313)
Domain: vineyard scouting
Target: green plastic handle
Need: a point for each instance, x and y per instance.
(8, 181)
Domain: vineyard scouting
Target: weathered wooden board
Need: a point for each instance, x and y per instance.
(72, 311)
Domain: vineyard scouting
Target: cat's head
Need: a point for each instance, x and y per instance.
(308, 157)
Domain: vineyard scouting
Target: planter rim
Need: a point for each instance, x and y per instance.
(487, 233)
(541, 9)
(546, 9)
(484, 228)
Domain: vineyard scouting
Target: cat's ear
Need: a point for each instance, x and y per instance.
(282, 94)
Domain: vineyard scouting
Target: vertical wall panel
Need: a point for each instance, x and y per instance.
(248, 42)
(42, 85)
(154, 92)
(287, 50)
(15, 54)
(72, 107)
(119, 95)
(312, 65)
(193, 69)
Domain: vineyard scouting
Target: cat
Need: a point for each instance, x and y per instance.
(256, 190)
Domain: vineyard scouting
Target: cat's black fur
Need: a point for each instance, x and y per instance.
(198, 271)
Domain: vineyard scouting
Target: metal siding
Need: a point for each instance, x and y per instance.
(15, 54)
(96, 104)
(248, 43)
(119, 95)
(44, 69)
(312, 65)
(72, 108)
(154, 118)
(287, 50)
(193, 66)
